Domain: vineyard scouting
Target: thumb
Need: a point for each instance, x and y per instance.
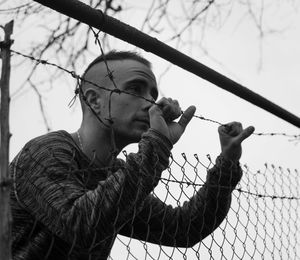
(245, 134)
(187, 116)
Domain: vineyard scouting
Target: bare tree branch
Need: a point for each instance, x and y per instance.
(68, 42)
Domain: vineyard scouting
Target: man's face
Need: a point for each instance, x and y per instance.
(129, 113)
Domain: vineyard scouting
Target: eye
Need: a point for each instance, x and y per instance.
(134, 88)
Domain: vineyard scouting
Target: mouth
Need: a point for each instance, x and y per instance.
(144, 121)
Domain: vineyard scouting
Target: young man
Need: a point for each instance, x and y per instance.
(72, 196)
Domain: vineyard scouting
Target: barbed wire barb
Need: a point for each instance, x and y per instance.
(296, 137)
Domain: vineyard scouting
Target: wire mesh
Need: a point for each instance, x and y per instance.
(65, 207)
(262, 222)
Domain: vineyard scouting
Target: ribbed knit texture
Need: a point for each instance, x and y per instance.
(64, 207)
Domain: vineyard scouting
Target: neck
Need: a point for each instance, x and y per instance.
(98, 145)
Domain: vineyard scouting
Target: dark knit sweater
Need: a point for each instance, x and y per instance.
(64, 207)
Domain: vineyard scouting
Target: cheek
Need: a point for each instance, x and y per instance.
(121, 112)
(125, 107)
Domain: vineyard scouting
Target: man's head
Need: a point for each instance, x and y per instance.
(128, 112)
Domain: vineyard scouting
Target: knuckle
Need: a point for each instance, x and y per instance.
(163, 100)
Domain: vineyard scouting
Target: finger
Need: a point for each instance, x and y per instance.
(245, 134)
(163, 105)
(159, 106)
(222, 129)
(171, 109)
(177, 108)
(236, 129)
(231, 129)
(162, 102)
(226, 128)
(187, 116)
(168, 114)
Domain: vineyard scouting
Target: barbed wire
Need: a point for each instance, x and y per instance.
(241, 206)
(195, 184)
(246, 170)
(271, 190)
(264, 205)
(188, 183)
(117, 90)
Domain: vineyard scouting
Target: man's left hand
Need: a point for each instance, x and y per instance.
(231, 137)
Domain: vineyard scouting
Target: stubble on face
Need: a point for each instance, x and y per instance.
(128, 113)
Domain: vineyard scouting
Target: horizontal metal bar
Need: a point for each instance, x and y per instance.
(118, 29)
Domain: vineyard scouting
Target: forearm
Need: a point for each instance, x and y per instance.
(84, 215)
(195, 219)
(210, 205)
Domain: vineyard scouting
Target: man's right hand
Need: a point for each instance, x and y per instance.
(163, 114)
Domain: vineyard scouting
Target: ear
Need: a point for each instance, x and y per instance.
(93, 99)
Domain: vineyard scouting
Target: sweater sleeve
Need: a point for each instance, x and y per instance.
(197, 218)
(47, 185)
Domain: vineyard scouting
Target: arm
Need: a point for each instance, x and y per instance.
(197, 218)
(203, 213)
(48, 186)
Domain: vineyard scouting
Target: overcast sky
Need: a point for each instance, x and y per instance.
(270, 67)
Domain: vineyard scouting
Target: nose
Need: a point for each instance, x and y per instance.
(148, 102)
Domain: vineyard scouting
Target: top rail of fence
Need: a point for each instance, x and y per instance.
(97, 19)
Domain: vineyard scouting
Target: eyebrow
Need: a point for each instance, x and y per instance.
(153, 91)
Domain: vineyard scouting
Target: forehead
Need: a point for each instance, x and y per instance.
(123, 70)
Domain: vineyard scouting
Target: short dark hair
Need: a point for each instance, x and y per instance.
(118, 55)
(111, 55)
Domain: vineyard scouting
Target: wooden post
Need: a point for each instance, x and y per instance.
(5, 183)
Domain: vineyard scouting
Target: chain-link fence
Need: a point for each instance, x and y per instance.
(262, 222)
(65, 205)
